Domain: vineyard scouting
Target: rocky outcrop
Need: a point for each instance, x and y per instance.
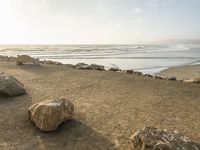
(10, 86)
(151, 138)
(48, 115)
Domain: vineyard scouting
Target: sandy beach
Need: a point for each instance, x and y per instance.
(109, 107)
(183, 72)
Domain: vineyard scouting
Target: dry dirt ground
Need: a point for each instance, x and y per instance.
(109, 108)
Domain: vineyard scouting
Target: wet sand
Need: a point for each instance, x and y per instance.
(183, 72)
(109, 108)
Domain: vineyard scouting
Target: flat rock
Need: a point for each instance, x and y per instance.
(151, 138)
(48, 115)
(10, 86)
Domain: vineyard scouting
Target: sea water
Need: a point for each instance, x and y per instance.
(145, 58)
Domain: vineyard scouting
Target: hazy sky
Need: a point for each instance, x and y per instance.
(97, 21)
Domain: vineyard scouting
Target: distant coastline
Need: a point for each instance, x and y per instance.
(181, 73)
(149, 59)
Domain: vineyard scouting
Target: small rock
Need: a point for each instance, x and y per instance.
(188, 81)
(48, 115)
(157, 77)
(13, 59)
(82, 66)
(148, 75)
(58, 63)
(10, 86)
(151, 138)
(138, 73)
(114, 69)
(97, 67)
(196, 80)
(49, 62)
(70, 66)
(171, 78)
(42, 61)
(129, 71)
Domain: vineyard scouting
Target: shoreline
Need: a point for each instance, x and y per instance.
(178, 72)
(186, 72)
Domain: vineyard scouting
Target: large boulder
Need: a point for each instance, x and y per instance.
(24, 59)
(151, 138)
(10, 86)
(48, 115)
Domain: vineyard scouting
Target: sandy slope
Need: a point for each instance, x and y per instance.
(109, 108)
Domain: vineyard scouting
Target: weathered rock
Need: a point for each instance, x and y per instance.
(171, 78)
(4, 58)
(58, 63)
(49, 62)
(138, 73)
(10, 86)
(48, 115)
(129, 71)
(157, 77)
(114, 69)
(83, 66)
(13, 59)
(97, 67)
(196, 80)
(23, 59)
(188, 81)
(70, 66)
(148, 75)
(151, 138)
(42, 61)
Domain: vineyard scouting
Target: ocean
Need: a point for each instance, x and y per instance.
(145, 58)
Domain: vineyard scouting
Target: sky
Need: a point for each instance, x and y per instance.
(97, 21)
